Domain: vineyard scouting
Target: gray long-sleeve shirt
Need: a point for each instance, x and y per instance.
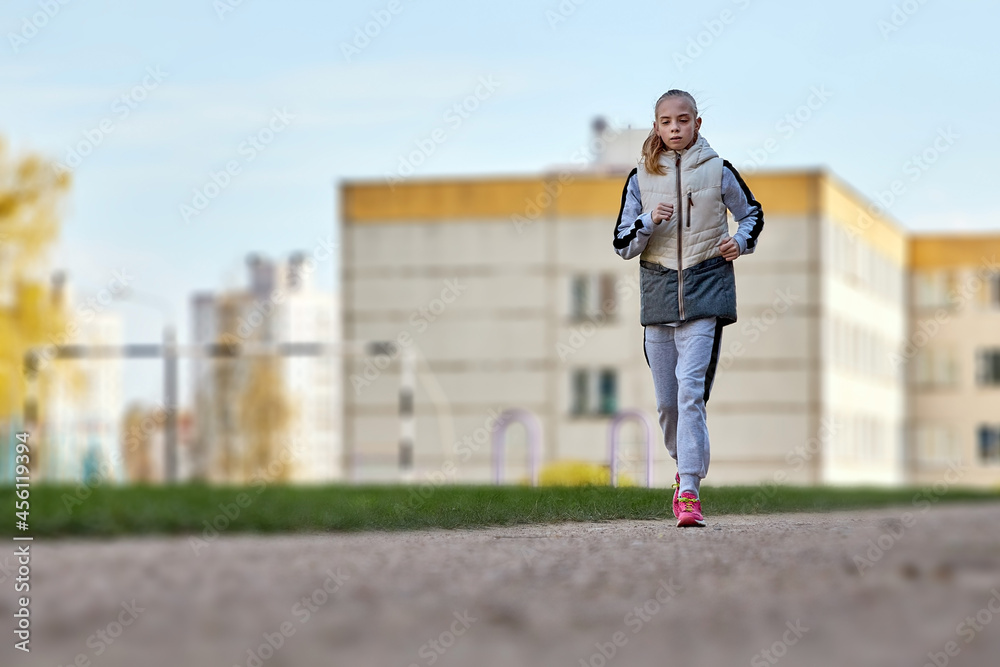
(634, 227)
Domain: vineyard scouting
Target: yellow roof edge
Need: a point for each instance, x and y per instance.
(864, 202)
(480, 178)
(611, 172)
(954, 235)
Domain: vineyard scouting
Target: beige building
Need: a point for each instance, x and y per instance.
(954, 357)
(508, 294)
(79, 429)
(272, 417)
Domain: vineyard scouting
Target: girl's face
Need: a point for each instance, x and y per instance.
(676, 123)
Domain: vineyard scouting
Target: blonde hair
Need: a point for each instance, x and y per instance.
(653, 147)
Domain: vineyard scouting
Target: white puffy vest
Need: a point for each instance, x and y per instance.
(699, 221)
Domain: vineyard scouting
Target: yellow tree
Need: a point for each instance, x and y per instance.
(137, 443)
(265, 417)
(32, 194)
(246, 413)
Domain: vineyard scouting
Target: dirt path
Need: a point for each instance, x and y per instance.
(641, 592)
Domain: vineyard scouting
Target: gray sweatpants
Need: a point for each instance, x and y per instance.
(680, 358)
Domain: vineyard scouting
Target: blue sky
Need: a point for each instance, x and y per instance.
(896, 76)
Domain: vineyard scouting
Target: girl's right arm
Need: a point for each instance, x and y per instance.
(632, 229)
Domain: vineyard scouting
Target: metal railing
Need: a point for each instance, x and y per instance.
(613, 431)
(534, 430)
(169, 351)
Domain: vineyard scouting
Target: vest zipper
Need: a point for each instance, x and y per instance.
(680, 239)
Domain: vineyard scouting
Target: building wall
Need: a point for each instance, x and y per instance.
(80, 431)
(512, 338)
(763, 403)
(807, 391)
(864, 309)
(471, 301)
(314, 385)
(279, 306)
(595, 335)
(955, 301)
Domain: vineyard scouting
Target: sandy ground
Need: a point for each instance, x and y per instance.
(623, 593)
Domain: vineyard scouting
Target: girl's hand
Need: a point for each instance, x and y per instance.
(729, 248)
(663, 211)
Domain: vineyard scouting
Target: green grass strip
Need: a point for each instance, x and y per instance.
(200, 510)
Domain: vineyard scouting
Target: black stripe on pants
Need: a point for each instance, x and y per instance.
(713, 363)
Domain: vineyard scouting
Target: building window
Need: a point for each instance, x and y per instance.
(988, 367)
(579, 297)
(580, 402)
(935, 445)
(993, 290)
(935, 367)
(592, 296)
(609, 392)
(608, 303)
(931, 289)
(989, 443)
(593, 392)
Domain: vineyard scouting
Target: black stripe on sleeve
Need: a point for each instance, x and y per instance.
(625, 240)
(758, 223)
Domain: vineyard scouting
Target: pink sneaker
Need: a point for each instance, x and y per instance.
(690, 511)
(677, 490)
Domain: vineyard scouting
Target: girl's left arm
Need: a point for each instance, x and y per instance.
(745, 209)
